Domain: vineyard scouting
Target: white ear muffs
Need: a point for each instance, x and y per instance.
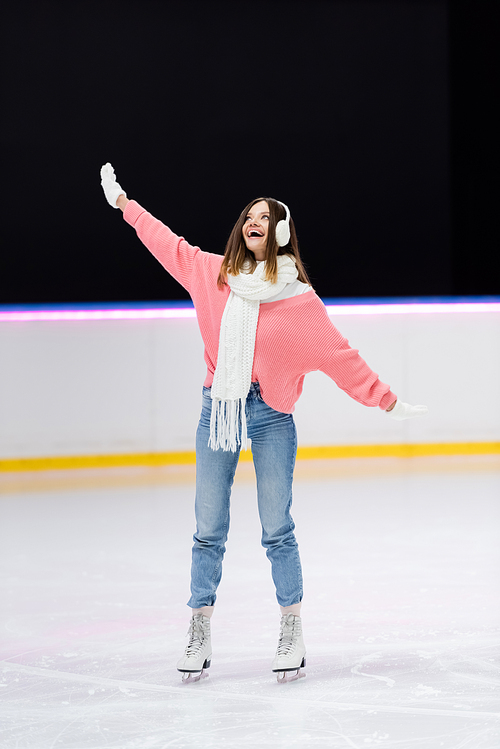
(283, 228)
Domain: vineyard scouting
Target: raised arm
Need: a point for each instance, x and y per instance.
(122, 202)
(115, 194)
(175, 254)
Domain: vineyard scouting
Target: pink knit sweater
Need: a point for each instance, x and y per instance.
(294, 336)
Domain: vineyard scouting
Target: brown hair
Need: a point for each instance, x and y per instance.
(237, 252)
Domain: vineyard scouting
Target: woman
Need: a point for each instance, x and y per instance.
(263, 328)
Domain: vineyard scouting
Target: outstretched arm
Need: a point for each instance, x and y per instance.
(351, 373)
(175, 254)
(400, 411)
(115, 195)
(122, 202)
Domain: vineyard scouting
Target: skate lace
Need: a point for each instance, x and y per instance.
(196, 635)
(289, 633)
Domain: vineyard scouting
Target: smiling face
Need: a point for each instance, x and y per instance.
(255, 229)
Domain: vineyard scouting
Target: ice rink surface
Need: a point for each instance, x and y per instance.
(401, 612)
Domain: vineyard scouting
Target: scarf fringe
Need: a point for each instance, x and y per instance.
(224, 425)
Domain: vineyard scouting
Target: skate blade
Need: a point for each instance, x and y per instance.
(189, 677)
(285, 676)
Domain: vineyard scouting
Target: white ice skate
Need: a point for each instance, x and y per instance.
(290, 655)
(198, 653)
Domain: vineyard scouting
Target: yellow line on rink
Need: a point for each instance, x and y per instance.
(322, 452)
(399, 451)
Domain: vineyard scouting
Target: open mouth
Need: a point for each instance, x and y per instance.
(254, 233)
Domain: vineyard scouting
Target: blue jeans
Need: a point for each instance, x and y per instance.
(274, 447)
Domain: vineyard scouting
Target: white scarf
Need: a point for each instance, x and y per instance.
(233, 375)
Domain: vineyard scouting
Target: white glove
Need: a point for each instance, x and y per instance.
(405, 411)
(112, 189)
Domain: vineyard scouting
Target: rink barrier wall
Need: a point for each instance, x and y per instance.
(322, 452)
(114, 384)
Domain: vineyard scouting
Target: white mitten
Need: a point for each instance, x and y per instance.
(405, 411)
(112, 189)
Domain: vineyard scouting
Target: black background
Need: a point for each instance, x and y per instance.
(375, 122)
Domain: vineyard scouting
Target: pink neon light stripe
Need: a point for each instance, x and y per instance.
(164, 314)
(96, 314)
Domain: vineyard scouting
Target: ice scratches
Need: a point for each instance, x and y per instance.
(376, 738)
(120, 685)
(473, 669)
(426, 654)
(370, 659)
(421, 689)
(125, 686)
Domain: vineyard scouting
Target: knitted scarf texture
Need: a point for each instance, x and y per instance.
(233, 374)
